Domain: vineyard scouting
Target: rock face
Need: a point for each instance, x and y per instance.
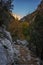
(6, 50)
(22, 42)
(15, 54)
(31, 17)
(40, 7)
(23, 56)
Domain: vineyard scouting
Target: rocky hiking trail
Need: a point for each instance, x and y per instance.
(15, 53)
(25, 56)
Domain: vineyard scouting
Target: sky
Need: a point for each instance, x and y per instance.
(24, 7)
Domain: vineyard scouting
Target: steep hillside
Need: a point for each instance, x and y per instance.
(30, 17)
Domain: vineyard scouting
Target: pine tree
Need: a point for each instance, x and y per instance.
(5, 10)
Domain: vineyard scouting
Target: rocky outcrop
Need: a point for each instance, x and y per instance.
(6, 50)
(31, 17)
(15, 54)
(22, 42)
(23, 56)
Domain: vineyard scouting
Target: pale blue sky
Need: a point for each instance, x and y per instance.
(24, 7)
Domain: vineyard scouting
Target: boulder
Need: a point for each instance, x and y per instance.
(22, 42)
(6, 50)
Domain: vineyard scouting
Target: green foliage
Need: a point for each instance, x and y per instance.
(25, 28)
(25, 31)
(6, 4)
(37, 33)
(14, 35)
(5, 10)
